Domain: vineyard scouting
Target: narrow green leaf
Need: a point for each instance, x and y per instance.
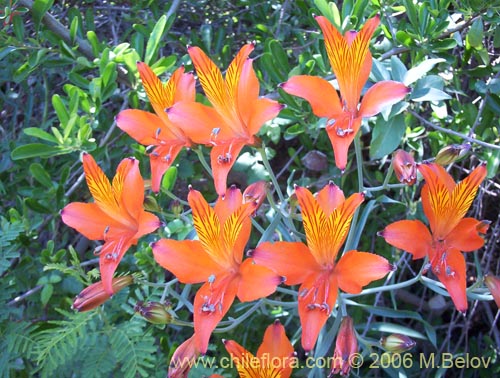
(169, 178)
(37, 150)
(40, 134)
(153, 43)
(60, 108)
(41, 175)
(40, 7)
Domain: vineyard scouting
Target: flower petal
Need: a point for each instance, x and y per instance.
(260, 111)
(236, 231)
(357, 269)
(147, 223)
(88, 219)
(381, 95)
(186, 259)
(292, 260)
(222, 158)
(276, 344)
(465, 236)
(256, 281)
(146, 128)
(349, 61)
(409, 235)
(317, 297)
(318, 92)
(128, 188)
(183, 359)
(454, 278)
(341, 135)
(110, 256)
(227, 204)
(330, 197)
(200, 123)
(211, 303)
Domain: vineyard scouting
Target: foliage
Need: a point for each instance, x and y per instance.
(68, 68)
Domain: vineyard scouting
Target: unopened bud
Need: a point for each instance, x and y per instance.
(95, 295)
(256, 193)
(346, 346)
(493, 283)
(450, 154)
(154, 312)
(150, 204)
(404, 167)
(176, 208)
(397, 343)
(183, 359)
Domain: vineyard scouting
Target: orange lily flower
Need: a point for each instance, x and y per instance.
(117, 215)
(157, 131)
(237, 114)
(326, 219)
(275, 356)
(216, 260)
(346, 347)
(351, 63)
(445, 205)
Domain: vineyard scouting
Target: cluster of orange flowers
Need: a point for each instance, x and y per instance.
(216, 260)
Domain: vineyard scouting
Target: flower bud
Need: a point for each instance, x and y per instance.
(256, 193)
(493, 283)
(95, 295)
(183, 359)
(397, 343)
(345, 347)
(154, 312)
(176, 208)
(450, 154)
(404, 167)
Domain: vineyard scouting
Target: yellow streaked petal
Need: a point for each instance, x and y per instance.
(233, 226)
(463, 195)
(315, 225)
(207, 226)
(339, 222)
(160, 95)
(100, 187)
(235, 69)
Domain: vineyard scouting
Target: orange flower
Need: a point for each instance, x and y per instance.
(445, 205)
(237, 114)
(275, 356)
(157, 131)
(117, 215)
(346, 347)
(351, 63)
(326, 219)
(216, 259)
(405, 167)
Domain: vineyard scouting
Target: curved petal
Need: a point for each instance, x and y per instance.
(222, 158)
(161, 159)
(186, 260)
(318, 92)
(88, 219)
(256, 281)
(291, 260)
(147, 224)
(227, 204)
(409, 235)
(276, 344)
(100, 187)
(454, 278)
(110, 256)
(128, 188)
(245, 89)
(183, 359)
(238, 76)
(261, 111)
(380, 95)
(317, 297)
(341, 134)
(142, 126)
(241, 357)
(357, 269)
(465, 236)
(200, 123)
(213, 84)
(330, 197)
(182, 85)
(236, 231)
(211, 303)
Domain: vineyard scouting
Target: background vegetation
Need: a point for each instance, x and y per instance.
(67, 69)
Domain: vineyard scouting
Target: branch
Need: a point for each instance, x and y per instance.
(83, 46)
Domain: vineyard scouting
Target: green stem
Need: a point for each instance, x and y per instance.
(202, 160)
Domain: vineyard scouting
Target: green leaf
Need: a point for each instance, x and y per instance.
(40, 134)
(153, 43)
(41, 175)
(60, 108)
(419, 71)
(46, 293)
(475, 34)
(40, 7)
(38, 150)
(386, 136)
(398, 69)
(293, 131)
(169, 178)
